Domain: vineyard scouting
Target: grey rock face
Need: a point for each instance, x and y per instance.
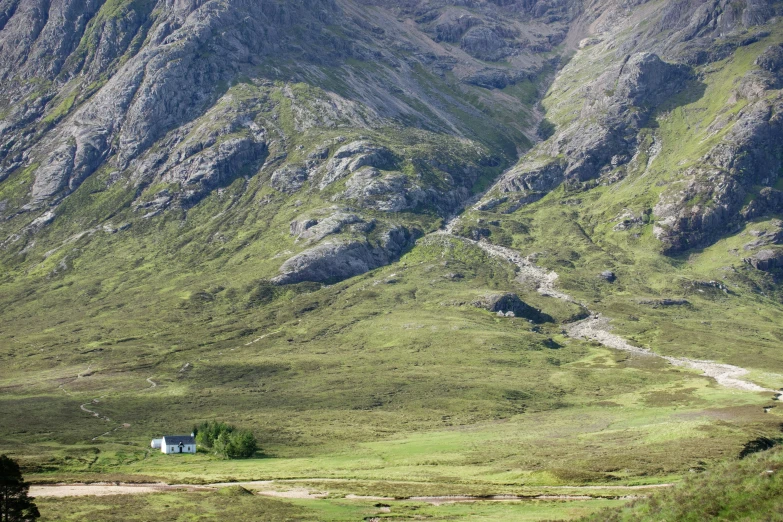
(647, 81)
(314, 230)
(352, 157)
(509, 303)
(217, 165)
(605, 135)
(289, 178)
(338, 260)
(772, 59)
(750, 154)
(692, 21)
(389, 193)
(486, 44)
(452, 25)
(768, 201)
(773, 237)
(767, 260)
(299, 226)
(495, 78)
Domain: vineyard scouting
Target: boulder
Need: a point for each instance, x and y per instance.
(608, 276)
(510, 305)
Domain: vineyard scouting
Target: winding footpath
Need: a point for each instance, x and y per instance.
(597, 327)
(97, 414)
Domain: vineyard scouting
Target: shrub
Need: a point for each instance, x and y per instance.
(226, 440)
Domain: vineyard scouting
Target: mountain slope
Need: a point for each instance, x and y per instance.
(297, 216)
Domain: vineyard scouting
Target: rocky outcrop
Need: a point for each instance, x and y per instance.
(646, 81)
(289, 178)
(766, 260)
(694, 27)
(485, 43)
(217, 165)
(510, 305)
(605, 136)
(350, 158)
(768, 201)
(491, 78)
(453, 24)
(337, 260)
(387, 190)
(387, 193)
(313, 230)
(712, 200)
(771, 61)
(771, 237)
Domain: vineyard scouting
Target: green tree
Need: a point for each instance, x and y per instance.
(244, 444)
(225, 440)
(15, 505)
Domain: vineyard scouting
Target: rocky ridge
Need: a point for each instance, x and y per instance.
(646, 75)
(175, 103)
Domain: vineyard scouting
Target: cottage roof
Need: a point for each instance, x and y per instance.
(178, 439)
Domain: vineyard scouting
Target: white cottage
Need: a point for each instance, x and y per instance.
(175, 444)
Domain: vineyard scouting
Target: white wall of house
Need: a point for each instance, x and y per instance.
(169, 448)
(172, 448)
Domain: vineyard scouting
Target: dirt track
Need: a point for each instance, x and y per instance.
(263, 488)
(597, 328)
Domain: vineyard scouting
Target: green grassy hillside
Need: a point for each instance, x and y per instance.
(142, 304)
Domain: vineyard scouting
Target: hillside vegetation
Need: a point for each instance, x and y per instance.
(413, 248)
(747, 489)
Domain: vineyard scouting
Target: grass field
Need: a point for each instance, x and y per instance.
(377, 380)
(216, 506)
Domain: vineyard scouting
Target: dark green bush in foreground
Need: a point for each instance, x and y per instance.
(226, 440)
